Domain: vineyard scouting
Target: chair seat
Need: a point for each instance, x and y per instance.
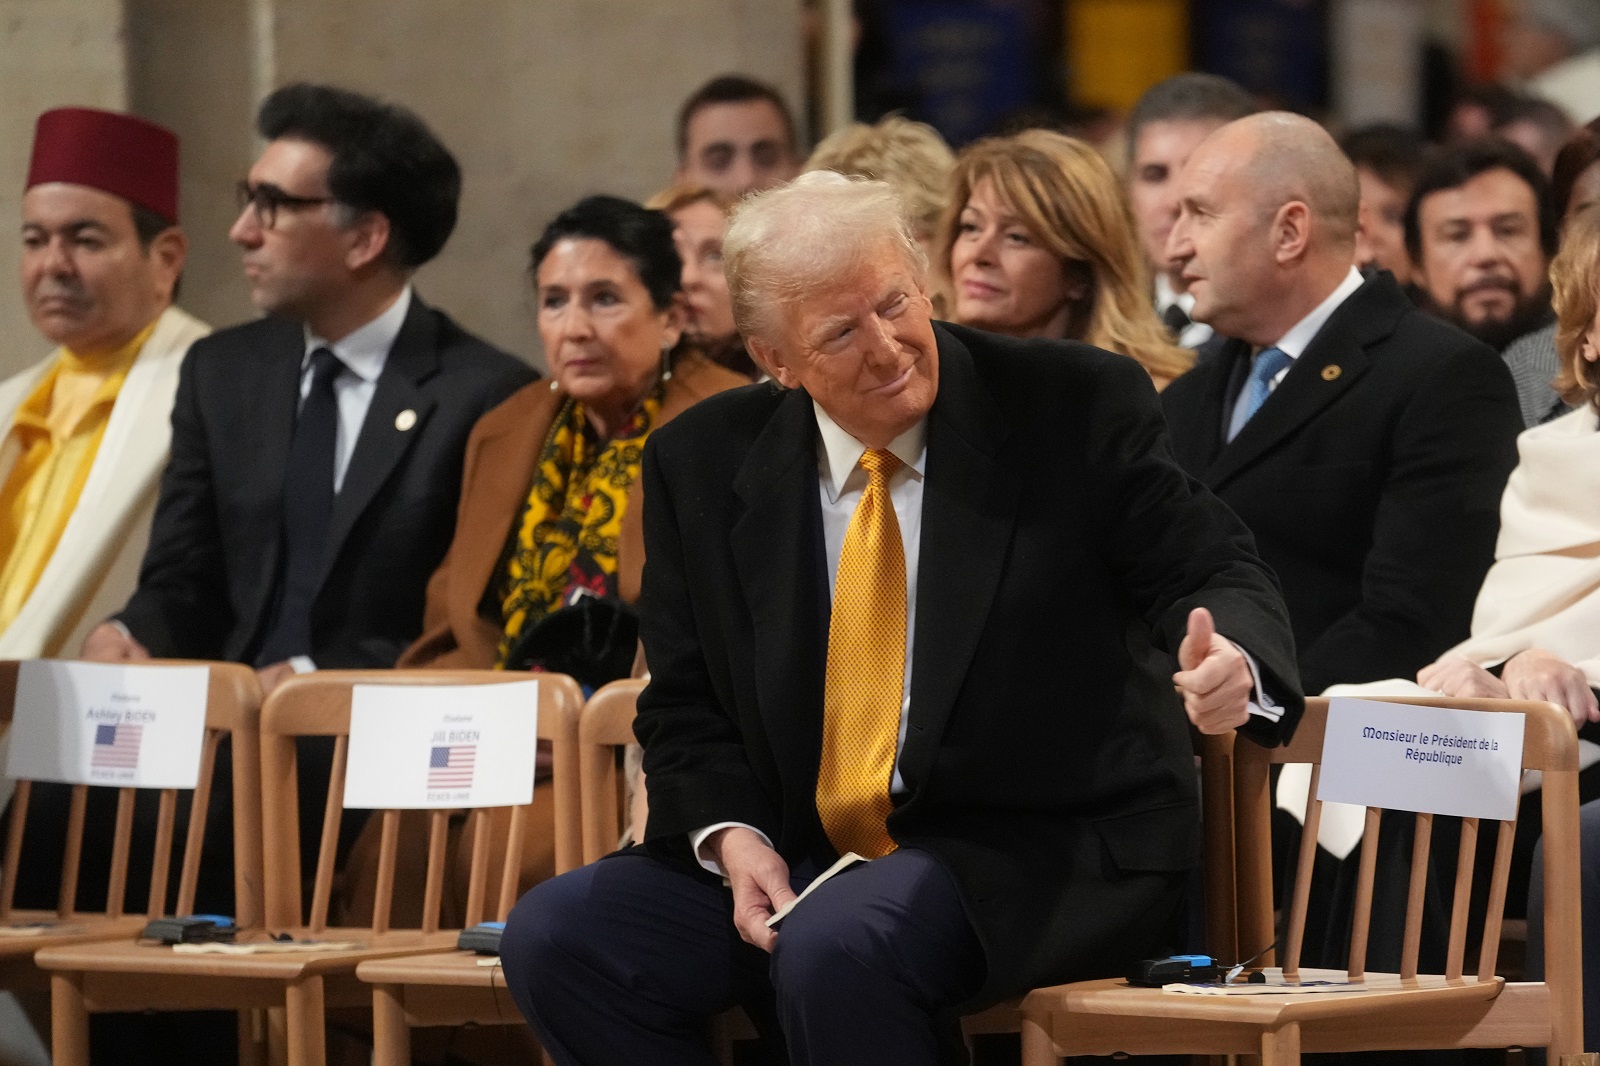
(1116, 997)
(1111, 1017)
(88, 928)
(158, 959)
(457, 969)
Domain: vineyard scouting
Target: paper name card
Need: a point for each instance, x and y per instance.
(118, 724)
(1438, 760)
(442, 746)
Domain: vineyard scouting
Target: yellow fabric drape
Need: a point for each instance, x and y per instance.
(55, 435)
(570, 527)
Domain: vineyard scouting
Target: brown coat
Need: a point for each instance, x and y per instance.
(501, 457)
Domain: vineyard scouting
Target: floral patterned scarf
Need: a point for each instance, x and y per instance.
(567, 537)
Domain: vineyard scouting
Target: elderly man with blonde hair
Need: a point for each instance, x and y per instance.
(923, 600)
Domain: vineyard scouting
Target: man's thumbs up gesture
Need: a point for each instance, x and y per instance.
(1215, 679)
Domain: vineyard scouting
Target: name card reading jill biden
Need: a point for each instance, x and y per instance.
(442, 746)
(1438, 760)
(129, 726)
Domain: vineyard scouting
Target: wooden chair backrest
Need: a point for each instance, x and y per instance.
(233, 705)
(318, 704)
(606, 725)
(1221, 868)
(1550, 745)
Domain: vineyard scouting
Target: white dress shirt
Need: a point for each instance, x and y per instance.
(841, 481)
(1195, 333)
(1301, 333)
(363, 353)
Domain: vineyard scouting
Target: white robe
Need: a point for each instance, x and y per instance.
(95, 565)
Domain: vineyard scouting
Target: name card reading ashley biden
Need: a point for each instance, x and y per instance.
(442, 746)
(1437, 760)
(109, 724)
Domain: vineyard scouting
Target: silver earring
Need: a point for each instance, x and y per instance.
(666, 362)
(554, 384)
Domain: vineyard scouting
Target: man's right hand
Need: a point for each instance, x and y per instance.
(107, 643)
(759, 878)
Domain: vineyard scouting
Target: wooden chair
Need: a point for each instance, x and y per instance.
(415, 991)
(295, 989)
(1404, 1011)
(233, 702)
(606, 725)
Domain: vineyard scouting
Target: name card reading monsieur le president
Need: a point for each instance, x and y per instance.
(129, 726)
(1438, 760)
(442, 746)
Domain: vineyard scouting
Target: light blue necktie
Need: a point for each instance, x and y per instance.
(1269, 362)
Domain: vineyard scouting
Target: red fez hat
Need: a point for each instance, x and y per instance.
(118, 154)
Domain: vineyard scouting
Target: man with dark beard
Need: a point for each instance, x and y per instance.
(1480, 229)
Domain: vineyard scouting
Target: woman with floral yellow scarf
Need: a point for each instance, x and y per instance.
(550, 488)
(550, 494)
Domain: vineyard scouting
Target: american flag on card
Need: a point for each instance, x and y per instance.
(116, 747)
(451, 767)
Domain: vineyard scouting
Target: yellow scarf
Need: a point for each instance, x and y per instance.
(56, 434)
(567, 538)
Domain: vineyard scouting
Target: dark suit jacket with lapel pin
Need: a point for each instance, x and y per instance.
(1371, 479)
(207, 587)
(1047, 761)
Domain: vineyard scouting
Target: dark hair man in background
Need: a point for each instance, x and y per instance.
(1169, 120)
(1388, 160)
(1536, 126)
(316, 452)
(1480, 229)
(736, 135)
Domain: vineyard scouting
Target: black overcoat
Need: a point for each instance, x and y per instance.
(1371, 479)
(207, 586)
(1047, 763)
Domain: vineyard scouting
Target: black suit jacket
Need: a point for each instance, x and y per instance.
(1047, 761)
(1371, 479)
(207, 588)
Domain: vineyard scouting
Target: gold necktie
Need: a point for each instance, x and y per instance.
(866, 672)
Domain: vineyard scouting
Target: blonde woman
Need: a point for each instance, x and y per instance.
(910, 156)
(1038, 241)
(699, 218)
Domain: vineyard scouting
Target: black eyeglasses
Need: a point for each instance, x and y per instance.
(266, 200)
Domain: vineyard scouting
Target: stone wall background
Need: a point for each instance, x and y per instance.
(542, 101)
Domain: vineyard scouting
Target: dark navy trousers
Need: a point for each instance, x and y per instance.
(626, 961)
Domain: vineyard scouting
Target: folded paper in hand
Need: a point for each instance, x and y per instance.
(846, 862)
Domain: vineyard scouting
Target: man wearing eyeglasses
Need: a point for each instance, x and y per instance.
(316, 452)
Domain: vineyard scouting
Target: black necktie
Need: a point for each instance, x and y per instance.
(307, 507)
(1176, 318)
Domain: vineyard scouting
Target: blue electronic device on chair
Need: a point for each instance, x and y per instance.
(483, 938)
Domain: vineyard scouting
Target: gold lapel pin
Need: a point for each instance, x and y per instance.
(408, 418)
(1331, 372)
